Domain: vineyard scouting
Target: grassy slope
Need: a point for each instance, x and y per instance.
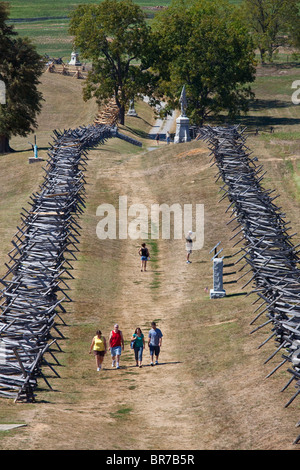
(63, 108)
(274, 108)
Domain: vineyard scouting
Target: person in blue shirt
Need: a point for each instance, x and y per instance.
(154, 342)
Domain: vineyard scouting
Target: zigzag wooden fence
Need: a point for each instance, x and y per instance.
(268, 252)
(44, 245)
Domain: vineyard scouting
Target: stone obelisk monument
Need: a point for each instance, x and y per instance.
(182, 122)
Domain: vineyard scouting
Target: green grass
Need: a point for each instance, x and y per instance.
(272, 106)
(42, 8)
(51, 36)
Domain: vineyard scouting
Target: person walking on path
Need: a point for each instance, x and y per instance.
(116, 345)
(157, 138)
(154, 342)
(144, 254)
(99, 347)
(139, 346)
(189, 246)
(168, 137)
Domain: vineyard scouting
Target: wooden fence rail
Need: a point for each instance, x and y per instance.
(35, 284)
(265, 246)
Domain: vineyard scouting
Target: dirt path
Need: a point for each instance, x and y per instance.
(161, 396)
(158, 398)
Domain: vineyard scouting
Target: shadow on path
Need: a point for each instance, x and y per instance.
(133, 366)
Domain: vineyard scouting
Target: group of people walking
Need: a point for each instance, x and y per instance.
(115, 344)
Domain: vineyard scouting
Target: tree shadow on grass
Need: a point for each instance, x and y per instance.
(133, 366)
(261, 104)
(137, 132)
(28, 150)
(265, 122)
(261, 122)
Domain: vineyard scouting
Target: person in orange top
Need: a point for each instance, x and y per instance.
(116, 345)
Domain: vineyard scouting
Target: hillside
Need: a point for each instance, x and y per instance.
(211, 381)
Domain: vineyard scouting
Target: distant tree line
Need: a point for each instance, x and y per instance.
(207, 45)
(272, 24)
(202, 44)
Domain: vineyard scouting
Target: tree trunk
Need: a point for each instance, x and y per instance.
(122, 115)
(4, 145)
(262, 56)
(121, 109)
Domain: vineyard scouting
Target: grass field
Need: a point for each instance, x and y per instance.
(211, 383)
(43, 8)
(46, 23)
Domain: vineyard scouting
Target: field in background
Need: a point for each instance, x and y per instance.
(47, 22)
(43, 8)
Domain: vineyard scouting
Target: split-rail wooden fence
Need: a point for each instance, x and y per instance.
(265, 247)
(34, 288)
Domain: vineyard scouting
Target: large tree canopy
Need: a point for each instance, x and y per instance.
(204, 45)
(272, 23)
(20, 69)
(114, 35)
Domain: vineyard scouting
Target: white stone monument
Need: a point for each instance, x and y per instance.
(131, 110)
(217, 292)
(182, 122)
(74, 59)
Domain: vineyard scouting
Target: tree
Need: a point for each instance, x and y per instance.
(20, 69)
(273, 23)
(205, 46)
(113, 35)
